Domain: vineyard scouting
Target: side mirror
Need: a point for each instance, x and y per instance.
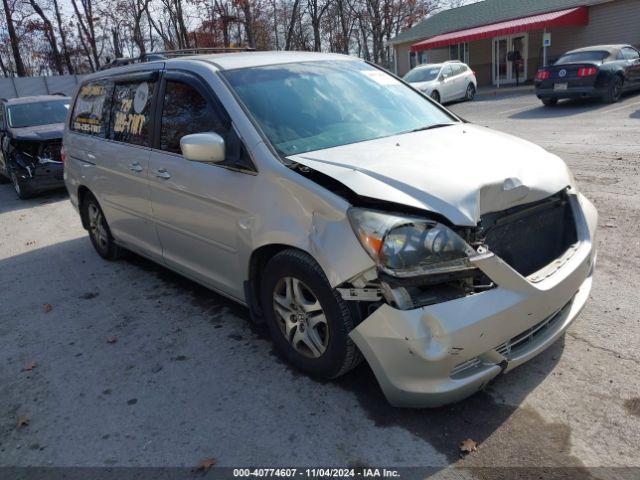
(203, 147)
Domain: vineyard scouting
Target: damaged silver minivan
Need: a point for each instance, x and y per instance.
(351, 213)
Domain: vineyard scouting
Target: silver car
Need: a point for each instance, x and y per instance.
(444, 82)
(352, 214)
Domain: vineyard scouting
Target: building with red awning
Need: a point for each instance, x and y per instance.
(486, 35)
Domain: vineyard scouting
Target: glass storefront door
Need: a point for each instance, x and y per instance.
(510, 54)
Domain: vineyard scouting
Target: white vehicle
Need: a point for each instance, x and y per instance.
(352, 214)
(444, 82)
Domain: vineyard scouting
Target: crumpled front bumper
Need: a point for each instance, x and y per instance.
(40, 176)
(442, 353)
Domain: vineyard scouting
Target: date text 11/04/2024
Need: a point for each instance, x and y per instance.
(317, 472)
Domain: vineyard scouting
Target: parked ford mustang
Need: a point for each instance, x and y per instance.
(352, 214)
(31, 138)
(603, 71)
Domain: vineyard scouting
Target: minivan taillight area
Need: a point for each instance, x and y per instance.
(63, 154)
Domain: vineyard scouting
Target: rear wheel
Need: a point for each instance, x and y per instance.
(471, 92)
(308, 320)
(436, 96)
(99, 231)
(549, 102)
(614, 90)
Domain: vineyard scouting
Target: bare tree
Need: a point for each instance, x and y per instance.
(50, 36)
(13, 39)
(87, 29)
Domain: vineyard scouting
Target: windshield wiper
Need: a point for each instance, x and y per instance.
(429, 127)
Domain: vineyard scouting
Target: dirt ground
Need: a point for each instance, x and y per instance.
(186, 376)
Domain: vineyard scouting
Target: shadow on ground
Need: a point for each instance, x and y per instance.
(16, 204)
(564, 108)
(507, 433)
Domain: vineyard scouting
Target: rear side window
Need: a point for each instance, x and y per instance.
(91, 109)
(131, 112)
(185, 111)
(630, 53)
(447, 71)
(588, 56)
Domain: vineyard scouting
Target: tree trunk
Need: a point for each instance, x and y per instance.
(63, 38)
(13, 39)
(51, 37)
(248, 23)
(292, 25)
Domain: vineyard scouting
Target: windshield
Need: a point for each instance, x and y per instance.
(40, 113)
(422, 74)
(595, 56)
(311, 106)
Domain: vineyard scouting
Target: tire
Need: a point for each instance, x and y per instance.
(22, 191)
(549, 102)
(470, 93)
(315, 336)
(99, 231)
(435, 96)
(614, 90)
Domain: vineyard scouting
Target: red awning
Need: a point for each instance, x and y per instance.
(563, 18)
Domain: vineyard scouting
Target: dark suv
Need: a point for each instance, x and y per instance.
(30, 142)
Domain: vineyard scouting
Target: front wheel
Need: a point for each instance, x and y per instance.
(99, 231)
(20, 188)
(614, 90)
(471, 92)
(308, 320)
(435, 96)
(549, 102)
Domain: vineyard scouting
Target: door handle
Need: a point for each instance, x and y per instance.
(135, 167)
(162, 173)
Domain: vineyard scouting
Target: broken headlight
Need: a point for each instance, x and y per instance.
(407, 246)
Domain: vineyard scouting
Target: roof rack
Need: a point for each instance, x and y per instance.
(165, 54)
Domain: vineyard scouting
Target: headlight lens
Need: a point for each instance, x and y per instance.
(406, 246)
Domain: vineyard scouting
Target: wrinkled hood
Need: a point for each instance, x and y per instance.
(461, 171)
(51, 131)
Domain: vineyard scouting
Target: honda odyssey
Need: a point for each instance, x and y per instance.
(353, 214)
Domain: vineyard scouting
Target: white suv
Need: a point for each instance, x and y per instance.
(444, 82)
(352, 214)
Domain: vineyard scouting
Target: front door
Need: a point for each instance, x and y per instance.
(196, 205)
(510, 55)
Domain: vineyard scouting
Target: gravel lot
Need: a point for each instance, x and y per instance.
(189, 378)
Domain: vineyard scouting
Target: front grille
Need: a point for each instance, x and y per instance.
(51, 151)
(530, 237)
(511, 347)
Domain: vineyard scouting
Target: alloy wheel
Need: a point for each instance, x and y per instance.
(300, 316)
(16, 184)
(96, 226)
(617, 89)
(471, 92)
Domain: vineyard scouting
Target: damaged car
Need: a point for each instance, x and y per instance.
(354, 215)
(30, 142)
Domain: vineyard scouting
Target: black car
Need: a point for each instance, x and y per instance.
(30, 142)
(603, 71)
